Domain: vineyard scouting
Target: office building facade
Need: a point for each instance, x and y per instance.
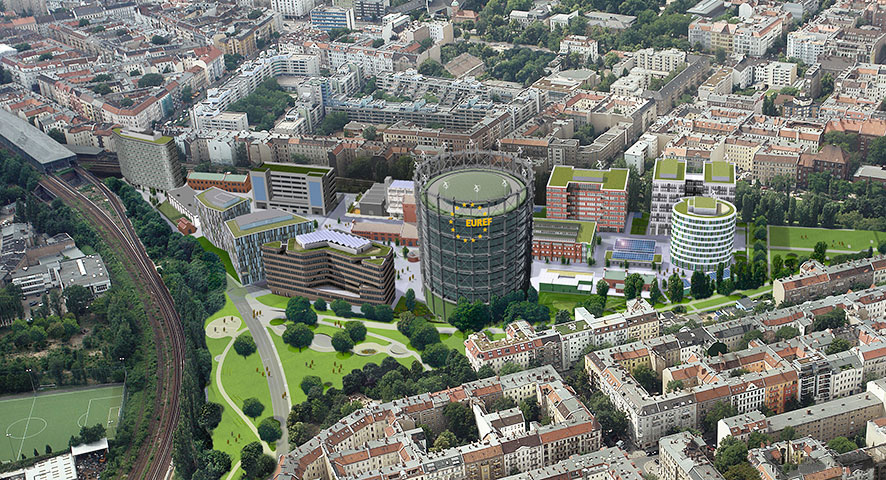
(299, 189)
(599, 196)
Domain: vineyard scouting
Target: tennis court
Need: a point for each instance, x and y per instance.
(29, 422)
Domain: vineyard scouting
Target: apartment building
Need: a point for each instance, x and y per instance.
(830, 159)
(659, 60)
(769, 163)
(685, 456)
(331, 265)
(292, 8)
(588, 195)
(563, 239)
(816, 280)
(671, 182)
(243, 236)
(580, 44)
(753, 36)
(148, 160)
(303, 189)
(367, 442)
(329, 17)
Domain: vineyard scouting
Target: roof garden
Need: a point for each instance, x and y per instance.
(157, 141)
(284, 222)
(377, 250)
(572, 327)
(612, 179)
(719, 208)
(719, 172)
(669, 169)
(285, 168)
(584, 234)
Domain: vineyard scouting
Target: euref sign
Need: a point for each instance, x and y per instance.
(471, 223)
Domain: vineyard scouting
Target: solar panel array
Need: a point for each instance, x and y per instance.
(332, 236)
(634, 245)
(633, 256)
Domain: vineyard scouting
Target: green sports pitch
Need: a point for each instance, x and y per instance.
(31, 422)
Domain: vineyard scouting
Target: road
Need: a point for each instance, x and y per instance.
(269, 358)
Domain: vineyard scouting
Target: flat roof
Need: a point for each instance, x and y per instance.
(576, 230)
(260, 221)
(719, 172)
(218, 199)
(34, 143)
(473, 185)
(612, 179)
(669, 169)
(718, 208)
(217, 177)
(162, 140)
(293, 168)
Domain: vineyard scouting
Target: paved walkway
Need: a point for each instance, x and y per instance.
(279, 389)
(221, 389)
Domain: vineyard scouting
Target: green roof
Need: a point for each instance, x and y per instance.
(293, 168)
(669, 169)
(612, 179)
(580, 325)
(235, 228)
(202, 198)
(586, 230)
(378, 250)
(719, 172)
(276, 244)
(723, 208)
(160, 141)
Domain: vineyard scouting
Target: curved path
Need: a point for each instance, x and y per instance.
(224, 394)
(386, 349)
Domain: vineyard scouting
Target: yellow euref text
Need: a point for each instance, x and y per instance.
(478, 222)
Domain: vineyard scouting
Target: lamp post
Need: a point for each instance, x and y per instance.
(31, 378)
(11, 450)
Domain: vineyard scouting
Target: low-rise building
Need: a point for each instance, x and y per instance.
(400, 234)
(816, 280)
(228, 182)
(563, 239)
(183, 200)
(331, 265)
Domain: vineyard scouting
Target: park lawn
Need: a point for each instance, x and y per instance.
(454, 341)
(848, 240)
(638, 226)
(229, 310)
(615, 304)
(293, 363)
(715, 301)
(561, 301)
(393, 335)
(169, 211)
(243, 379)
(273, 301)
(222, 255)
(230, 421)
(327, 330)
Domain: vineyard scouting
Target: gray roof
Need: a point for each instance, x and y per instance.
(39, 146)
(185, 197)
(84, 271)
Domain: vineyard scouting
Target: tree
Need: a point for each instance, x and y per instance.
(244, 345)
(253, 408)
(333, 122)
(384, 313)
(469, 316)
(675, 288)
(424, 335)
(298, 432)
(341, 308)
(819, 251)
(57, 135)
(655, 295)
(77, 299)
(370, 133)
(159, 40)
(298, 310)
(368, 311)
(718, 411)
(444, 441)
(485, 371)
(842, 445)
(742, 471)
(320, 305)
(602, 288)
(699, 287)
(786, 332)
(298, 335)
(674, 385)
(647, 378)
(150, 80)
(788, 433)
(730, 452)
(269, 429)
(254, 14)
(210, 415)
(461, 422)
(254, 462)
(310, 382)
(356, 330)
(720, 54)
(509, 368)
(836, 318)
(409, 299)
(633, 286)
(435, 355)
(837, 346)
(342, 342)
(562, 316)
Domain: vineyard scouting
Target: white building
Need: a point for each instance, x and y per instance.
(292, 8)
(580, 44)
(702, 234)
(661, 60)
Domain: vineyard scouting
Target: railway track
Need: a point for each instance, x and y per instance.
(155, 457)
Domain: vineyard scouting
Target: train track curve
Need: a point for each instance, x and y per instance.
(154, 459)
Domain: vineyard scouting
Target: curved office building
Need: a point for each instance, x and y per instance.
(702, 233)
(474, 226)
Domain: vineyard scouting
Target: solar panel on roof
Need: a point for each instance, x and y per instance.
(637, 257)
(634, 245)
(340, 238)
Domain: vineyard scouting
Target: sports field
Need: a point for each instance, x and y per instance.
(52, 418)
(802, 237)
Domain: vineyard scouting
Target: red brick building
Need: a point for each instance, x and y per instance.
(830, 159)
(558, 239)
(225, 181)
(599, 196)
(402, 234)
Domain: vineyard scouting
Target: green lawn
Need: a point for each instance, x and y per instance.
(293, 363)
(230, 421)
(393, 335)
(560, 301)
(273, 301)
(455, 341)
(169, 211)
(223, 255)
(802, 237)
(243, 379)
(715, 301)
(51, 418)
(638, 227)
(229, 310)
